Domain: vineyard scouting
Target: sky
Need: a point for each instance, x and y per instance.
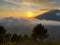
(23, 8)
(17, 10)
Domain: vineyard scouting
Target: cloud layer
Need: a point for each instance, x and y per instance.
(20, 7)
(25, 26)
(39, 3)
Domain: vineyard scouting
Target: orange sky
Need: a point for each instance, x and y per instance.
(19, 14)
(26, 8)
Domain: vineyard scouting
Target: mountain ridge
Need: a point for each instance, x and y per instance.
(50, 15)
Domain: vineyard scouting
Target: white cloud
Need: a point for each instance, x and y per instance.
(25, 26)
(37, 3)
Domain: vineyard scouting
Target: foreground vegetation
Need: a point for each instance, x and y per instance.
(38, 36)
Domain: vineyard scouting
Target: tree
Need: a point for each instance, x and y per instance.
(26, 37)
(14, 38)
(39, 32)
(8, 37)
(19, 39)
(2, 34)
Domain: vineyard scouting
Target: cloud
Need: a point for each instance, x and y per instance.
(31, 4)
(36, 3)
(19, 26)
(20, 4)
(11, 6)
(44, 9)
(25, 26)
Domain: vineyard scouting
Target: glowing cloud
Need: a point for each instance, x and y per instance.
(17, 8)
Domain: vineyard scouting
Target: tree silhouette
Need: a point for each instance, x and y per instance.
(8, 37)
(39, 32)
(25, 37)
(19, 39)
(2, 34)
(14, 38)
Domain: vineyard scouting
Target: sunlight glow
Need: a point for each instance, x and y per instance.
(29, 14)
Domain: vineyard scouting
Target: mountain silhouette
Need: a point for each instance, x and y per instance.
(50, 15)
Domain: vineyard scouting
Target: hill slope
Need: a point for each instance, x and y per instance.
(51, 15)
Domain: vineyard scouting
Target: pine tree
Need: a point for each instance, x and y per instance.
(39, 32)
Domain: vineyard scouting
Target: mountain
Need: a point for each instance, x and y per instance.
(50, 15)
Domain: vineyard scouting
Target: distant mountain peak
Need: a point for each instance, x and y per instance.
(50, 15)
